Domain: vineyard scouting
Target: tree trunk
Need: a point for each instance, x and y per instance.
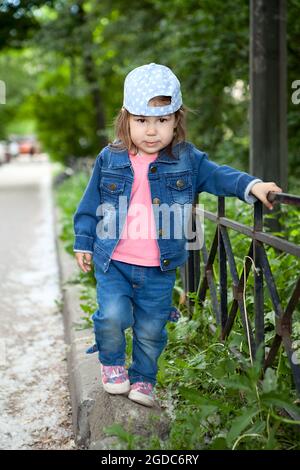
(89, 71)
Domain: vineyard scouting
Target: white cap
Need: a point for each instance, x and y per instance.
(146, 82)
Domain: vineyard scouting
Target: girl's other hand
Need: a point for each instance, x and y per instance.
(84, 261)
(261, 190)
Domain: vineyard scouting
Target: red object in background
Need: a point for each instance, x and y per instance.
(26, 147)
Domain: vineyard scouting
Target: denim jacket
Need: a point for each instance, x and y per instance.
(175, 181)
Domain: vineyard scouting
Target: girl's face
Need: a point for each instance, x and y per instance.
(151, 133)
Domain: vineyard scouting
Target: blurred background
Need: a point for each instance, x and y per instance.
(63, 64)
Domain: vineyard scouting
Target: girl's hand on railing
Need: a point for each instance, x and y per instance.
(83, 261)
(261, 190)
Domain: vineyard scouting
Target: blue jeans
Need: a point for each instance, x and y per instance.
(133, 296)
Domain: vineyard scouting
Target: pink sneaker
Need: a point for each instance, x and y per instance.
(142, 393)
(115, 379)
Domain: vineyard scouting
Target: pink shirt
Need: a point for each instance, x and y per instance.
(138, 242)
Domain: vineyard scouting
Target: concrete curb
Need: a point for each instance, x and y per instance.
(94, 409)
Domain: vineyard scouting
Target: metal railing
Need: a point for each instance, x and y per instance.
(221, 246)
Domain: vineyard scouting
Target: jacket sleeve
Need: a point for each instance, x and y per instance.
(223, 180)
(85, 219)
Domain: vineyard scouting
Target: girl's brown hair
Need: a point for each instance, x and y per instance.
(122, 130)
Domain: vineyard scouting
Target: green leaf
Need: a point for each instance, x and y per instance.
(272, 399)
(238, 383)
(219, 443)
(194, 397)
(257, 428)
(117, 430)
(181, 363)
(239, 424)
(269, 382)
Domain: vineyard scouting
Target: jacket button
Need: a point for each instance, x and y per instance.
(179, 183)
(153, 169)
(112, 186)
(155, 200)
(166, 262)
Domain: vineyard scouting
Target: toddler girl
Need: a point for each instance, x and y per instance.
(125, 220)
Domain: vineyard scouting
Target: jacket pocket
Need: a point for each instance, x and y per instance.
(179, 187)
(111, 188)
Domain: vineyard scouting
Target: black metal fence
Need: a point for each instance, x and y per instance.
(225, 314)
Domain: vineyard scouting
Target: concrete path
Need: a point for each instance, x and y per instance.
(35, 411)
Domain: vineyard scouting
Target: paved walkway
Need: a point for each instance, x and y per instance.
(35, 408)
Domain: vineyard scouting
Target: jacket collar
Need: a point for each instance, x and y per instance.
(120, 159)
